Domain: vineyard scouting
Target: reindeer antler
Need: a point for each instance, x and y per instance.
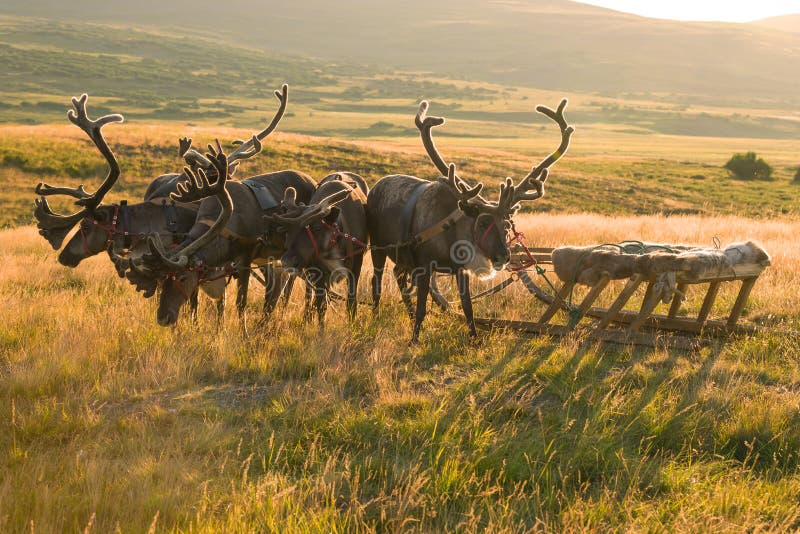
(304, 215)
(195, 188)
(53, 226)
(538, 176)
(192, 157)
(425, 124)
(246, 149)
(530, 188)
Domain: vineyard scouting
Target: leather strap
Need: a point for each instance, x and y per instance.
(226, 233)
(408, 210)
(442, 226)
(126, 224)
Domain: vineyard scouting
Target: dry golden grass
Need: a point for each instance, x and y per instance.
(109, 422)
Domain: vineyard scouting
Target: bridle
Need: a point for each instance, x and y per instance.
(482, 241)
(229, 269)
(335, 236)
(130, 238)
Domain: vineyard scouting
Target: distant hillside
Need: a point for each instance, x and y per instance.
(785, 23)
(555, 44)
(63, 57)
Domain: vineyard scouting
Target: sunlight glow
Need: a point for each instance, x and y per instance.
(731, 11)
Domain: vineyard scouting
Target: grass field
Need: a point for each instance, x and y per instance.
(109, 422)
(603, 173)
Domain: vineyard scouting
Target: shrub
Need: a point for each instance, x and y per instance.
(796, 178)
(749, 166)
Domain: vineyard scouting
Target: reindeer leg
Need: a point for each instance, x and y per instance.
(423, 283)
(287, 281)
(405, 290)
(378, 263)
(243, 282)
(221, 308)
(321, 301)
(352, 287)
(307, 308)
(273, 289)
(462, 278)
(437, 296)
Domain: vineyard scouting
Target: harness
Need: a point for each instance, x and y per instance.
(122, 211)
(409, 242)
(350, 241)
(130, 238)
(209, 274)
(227, 270)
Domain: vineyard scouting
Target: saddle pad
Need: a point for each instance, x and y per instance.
(265, 199)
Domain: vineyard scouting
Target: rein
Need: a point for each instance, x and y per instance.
(519, 237)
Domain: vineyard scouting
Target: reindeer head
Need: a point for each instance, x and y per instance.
(53, 226)
(491, 220)
(311, 230)
(173, 268)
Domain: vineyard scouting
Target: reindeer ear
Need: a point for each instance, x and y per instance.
(102, 215)
(469, 210)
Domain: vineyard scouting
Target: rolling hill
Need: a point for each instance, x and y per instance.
(785, 23)
(551, 44)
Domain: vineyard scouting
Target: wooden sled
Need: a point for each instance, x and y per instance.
(641, 327)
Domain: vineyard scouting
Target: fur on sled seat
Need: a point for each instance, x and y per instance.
(586, 265)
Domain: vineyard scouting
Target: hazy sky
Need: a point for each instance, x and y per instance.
(727, 10)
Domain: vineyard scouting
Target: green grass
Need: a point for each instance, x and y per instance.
(110, 421)
(587, 180)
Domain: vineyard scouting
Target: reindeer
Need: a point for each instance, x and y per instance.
(445, 225)
(326, 239)
(123, 226)
(217, 249)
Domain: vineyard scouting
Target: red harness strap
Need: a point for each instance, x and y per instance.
(334, 239)
(482, 241)
(111, 232)
(519, 237)
(176, 281)
(351, 238)
(310, 235)
(202, 270)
